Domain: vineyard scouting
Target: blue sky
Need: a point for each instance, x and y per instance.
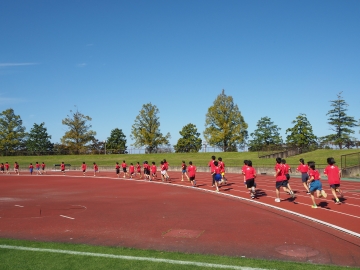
(108, 58)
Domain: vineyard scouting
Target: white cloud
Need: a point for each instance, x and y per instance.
(16, 64)
(82, 65)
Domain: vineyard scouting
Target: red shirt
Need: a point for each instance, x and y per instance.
(7, 166)
(250, 173)
(131, 168)
(96, 167)
(211, 165)
(216, 170)
(153, 168)
(62, 166)
(314, 174)
(222, 166)
(31, 167)
(243, 169)
(37, 166)
(43, 165)
(146, 166)
(191, 170)
(138, 167)
(333, 174)
(280, 172)
(117, 166)
(303, 168)
(163, 167)
(286, 168)
(166, 164)
(16, 166)
(183, 166)
(83, 167)
(123, 165)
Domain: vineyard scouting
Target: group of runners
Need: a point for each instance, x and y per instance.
(310, 178)
(39, 168)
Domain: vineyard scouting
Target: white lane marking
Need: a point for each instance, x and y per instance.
(131, 258)
(18, 205)
(66, 217)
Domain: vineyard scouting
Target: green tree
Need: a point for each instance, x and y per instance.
(146, 129)
(341, 123)
(79, 133)
(12, 132)
(190, 141)
(38, 139)
(225, 127)
(116, 142)
(265, 136)
(301, 134)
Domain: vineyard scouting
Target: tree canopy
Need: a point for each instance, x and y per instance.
(146, 129)
(38, 139)
(301, 134)
(190, 140)
(12, 132)
(266, 134)
(340, 122)
(225, 127)
(116, 142)
(79, 133)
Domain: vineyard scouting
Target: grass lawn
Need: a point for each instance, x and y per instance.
(70, 256)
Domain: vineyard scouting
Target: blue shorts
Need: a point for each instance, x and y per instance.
(217, 177)
(31, 170)
(315, 185)
(304, 177)
(183, 171)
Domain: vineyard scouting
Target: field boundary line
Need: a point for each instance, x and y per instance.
(134, 258)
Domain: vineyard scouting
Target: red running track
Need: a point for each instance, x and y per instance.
(106, 210)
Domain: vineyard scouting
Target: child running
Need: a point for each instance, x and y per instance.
(250, 175)
(31, 168)
(83, 168)
(163, 171)
(153, 171)
(62, 167)
(37, 167)
(117, 169)
(183, 171)
(334, 173)
(7, 166)
(287, 169)
(131, 170)
(146, 167)
(138, 169)
(192, 170)
(124, 166)
(96, 168)
(222, 170)
(315, 184)
(16, 168)
(166, 169)
(281, 180)
(43, 166)
(2, 168)
(303, 168)
(212, 167)
(217, 175)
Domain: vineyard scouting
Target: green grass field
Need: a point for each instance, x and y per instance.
(199, 159)
(70, 256)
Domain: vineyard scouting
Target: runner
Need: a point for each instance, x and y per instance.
(222, 170)
(16, 168)
(43, 168)
(163, 171)
(138, 169)
(96, 168)
(315, 184)
(183, 171)
(192, 170)
(7, 166)
(37, 167)
(217, 175)
(83, 168)
(117, 169)
(2, 168)
(287, 169)
(303, 168)
(281, 180)
(250, 175)
(124, 167)
(333, 174)
(146, 167)
(62, 167)
(166, 169)
(212, 168)
(31, 168)
(132, 170)
(153, 171)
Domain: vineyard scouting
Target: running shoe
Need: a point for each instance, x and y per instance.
(314, 206)
(277, 200)
(308, 193)
(337, 202)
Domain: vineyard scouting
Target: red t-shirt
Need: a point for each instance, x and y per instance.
(216, 170)
(314, 174)
(153, 168)
(333, 174)
(16, 166)
(43, 165)
(31, 167)
(7, 166)
(117, 166)
(280, 172)
(37, 166)
(243, 169)
(250, 173)
(163, 167)
(221, 166)
(96, 167)
(303, 168)
(286, 168)
(191, 170)
(123, 165)
(131, 168)
(83, 167)
(183, 166)
(138, 167)
(146, 166)
(62, 166)
(166, 164)
(211, 165)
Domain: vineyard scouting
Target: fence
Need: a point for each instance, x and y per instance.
(350, 160)
(283, 151)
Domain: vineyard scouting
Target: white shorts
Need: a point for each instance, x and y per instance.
(163, 172)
